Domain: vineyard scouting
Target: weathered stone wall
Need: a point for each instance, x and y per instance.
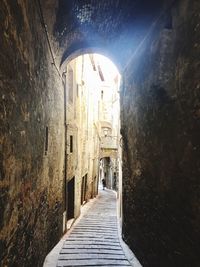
(161, 150)
(31, 99)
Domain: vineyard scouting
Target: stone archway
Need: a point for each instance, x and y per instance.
(157, 41)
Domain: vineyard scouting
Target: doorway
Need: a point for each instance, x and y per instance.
(70, 198)
(83, 189)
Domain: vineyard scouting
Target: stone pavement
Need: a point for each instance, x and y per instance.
(94, 239)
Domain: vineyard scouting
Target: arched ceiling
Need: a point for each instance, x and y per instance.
(111, 27)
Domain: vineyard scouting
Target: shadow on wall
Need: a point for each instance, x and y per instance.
(161, 163)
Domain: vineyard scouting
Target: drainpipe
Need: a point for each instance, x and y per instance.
(65, 146)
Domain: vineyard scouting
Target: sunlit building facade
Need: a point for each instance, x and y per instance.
(92, 130)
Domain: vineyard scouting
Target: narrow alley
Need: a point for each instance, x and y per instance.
(100, 92)
(94, 240)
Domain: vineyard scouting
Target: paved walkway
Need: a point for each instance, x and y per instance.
(94, 239)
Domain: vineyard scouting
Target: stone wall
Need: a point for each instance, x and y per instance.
(31, 181)
(161, 149)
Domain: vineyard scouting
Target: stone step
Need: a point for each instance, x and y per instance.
(92, 251)
(91, 246)
(93, 262)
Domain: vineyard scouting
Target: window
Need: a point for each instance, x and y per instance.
(46, 140)
(71, 144)
(102, 94)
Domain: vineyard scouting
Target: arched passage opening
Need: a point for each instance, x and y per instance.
(92, 129)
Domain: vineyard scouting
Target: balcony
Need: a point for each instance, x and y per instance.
(109, 142)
